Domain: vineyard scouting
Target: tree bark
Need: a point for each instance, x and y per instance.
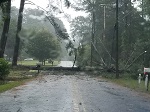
(19, 27)
(5, 28)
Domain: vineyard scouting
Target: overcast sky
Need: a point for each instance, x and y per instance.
(71, 12)
(44, 3)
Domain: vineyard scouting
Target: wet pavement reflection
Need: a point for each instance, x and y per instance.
(72, 93)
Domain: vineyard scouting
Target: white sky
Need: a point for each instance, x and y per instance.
(44, 4)
(70, 11)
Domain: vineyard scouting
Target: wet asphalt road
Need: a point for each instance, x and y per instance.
(51, 93)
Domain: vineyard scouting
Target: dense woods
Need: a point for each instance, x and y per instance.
(20, 27)
(94, 34)
(97, 32)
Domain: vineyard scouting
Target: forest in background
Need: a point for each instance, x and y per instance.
(32, 23)
(94, 34)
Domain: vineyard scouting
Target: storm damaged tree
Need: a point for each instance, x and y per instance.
(81, 32)
(19, 27)
(6, 8)
(132, 42)
(59, 32)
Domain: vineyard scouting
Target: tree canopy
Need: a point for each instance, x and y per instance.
(43, 46)
(133, 32)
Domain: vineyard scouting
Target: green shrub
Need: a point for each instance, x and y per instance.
(83, 58)
(4, 69)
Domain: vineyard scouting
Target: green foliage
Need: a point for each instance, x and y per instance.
(60, 31)
(81, 29)
(83, 57)
(11, 38)
(145, 7)
(4, 69)
(134, 32)
(43, 46)
(8, 86)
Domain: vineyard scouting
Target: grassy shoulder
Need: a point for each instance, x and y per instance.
(17, 78)
(34, 62)
(129, 81)
(11, 85)
(21, 74)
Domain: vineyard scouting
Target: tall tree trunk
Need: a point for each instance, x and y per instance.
(5, 28)
(126, 12)
(19, 26)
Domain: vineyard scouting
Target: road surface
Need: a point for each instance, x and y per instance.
(74, 93)
(66, 64)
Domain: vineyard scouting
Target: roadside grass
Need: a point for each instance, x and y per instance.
(16, 78)
(21, 74)
(129, 81)
(34, 62)
(11, 85)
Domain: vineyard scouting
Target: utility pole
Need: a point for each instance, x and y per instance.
(91, 46)
(117, 44)
(104, 21)
(93, 34)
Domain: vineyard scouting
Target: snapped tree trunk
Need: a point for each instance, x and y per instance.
(5, 27)
(19, 26)
(75, 58)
